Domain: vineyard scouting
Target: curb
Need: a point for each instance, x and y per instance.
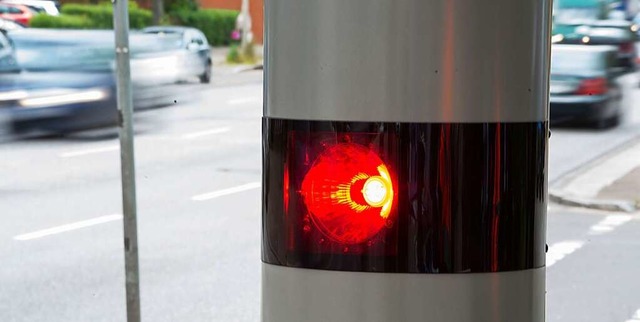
(561, 194)
(248, 68)
(597, 204)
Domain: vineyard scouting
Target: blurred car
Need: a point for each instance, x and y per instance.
(54, 100)
(16, 12)
(195, 50)
(579, 9)
(8, 25)
(66, 83)
(38, 6)
(583, 85)
(154, 60)
(619, 33)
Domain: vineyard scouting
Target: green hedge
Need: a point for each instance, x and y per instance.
(216, 24)
(101, 16)
(82, 16)
(60, 22)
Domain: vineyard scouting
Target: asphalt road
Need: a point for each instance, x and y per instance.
(198, 170)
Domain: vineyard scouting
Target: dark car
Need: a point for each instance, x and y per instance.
(59, 93)
(67, 83)
(583, 85)
(195, 50)
(618, 33)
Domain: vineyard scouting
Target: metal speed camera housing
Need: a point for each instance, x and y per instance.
(405, 160)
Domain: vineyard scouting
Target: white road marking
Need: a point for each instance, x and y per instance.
(609, 224)
(247, 100)
(79, 153)
(68, 227)
(199, 134)
(225, 192)
(635, 317)
(560, 250)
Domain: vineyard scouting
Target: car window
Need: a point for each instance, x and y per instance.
(37, 9)
(14, 10)
(4, 9)
(202, 38)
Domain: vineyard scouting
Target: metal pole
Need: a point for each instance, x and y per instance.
(158, 11)
(245, 26)
(125, 127)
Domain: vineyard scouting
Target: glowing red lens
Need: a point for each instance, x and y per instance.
(349, 193)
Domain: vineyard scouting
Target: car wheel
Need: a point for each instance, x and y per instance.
(613, 121)
(205, 78)
(607, 123)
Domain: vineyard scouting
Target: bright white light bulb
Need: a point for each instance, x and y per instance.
(375, 191)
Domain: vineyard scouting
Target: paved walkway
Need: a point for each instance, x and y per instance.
(625, 188)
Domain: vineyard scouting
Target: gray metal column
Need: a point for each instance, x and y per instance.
(398, 62)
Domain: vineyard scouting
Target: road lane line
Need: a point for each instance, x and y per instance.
(68, 227)
(560, 250)
(247, 100)
(609, 224)
(225, 192)
(635, 317)
(199, 134)
(79, 153)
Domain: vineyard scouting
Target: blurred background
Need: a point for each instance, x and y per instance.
(197, 80)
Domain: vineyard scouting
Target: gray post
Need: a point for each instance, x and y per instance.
(158, 11)
(125, 126)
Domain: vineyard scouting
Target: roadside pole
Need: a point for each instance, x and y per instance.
(125, 128)
(245, 25)
(158, 11)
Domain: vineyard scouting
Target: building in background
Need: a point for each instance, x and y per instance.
(255, 9)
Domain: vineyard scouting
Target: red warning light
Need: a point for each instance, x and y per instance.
(349, 193)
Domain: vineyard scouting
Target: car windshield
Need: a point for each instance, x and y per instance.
(36, 9)
(570, 61)
(170, 38)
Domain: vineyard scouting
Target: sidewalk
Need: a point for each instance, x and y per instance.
(625, 188)
(611, 183)
(232, 75)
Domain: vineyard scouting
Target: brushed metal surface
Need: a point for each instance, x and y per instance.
(407, 60)
(296, 294)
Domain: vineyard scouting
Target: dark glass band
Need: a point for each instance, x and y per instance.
(471, 198)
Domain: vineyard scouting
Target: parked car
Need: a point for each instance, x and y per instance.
(16, 12)
(38, 6)
(195, 49)
(8, 25)
(584, 85)
(619, 33)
